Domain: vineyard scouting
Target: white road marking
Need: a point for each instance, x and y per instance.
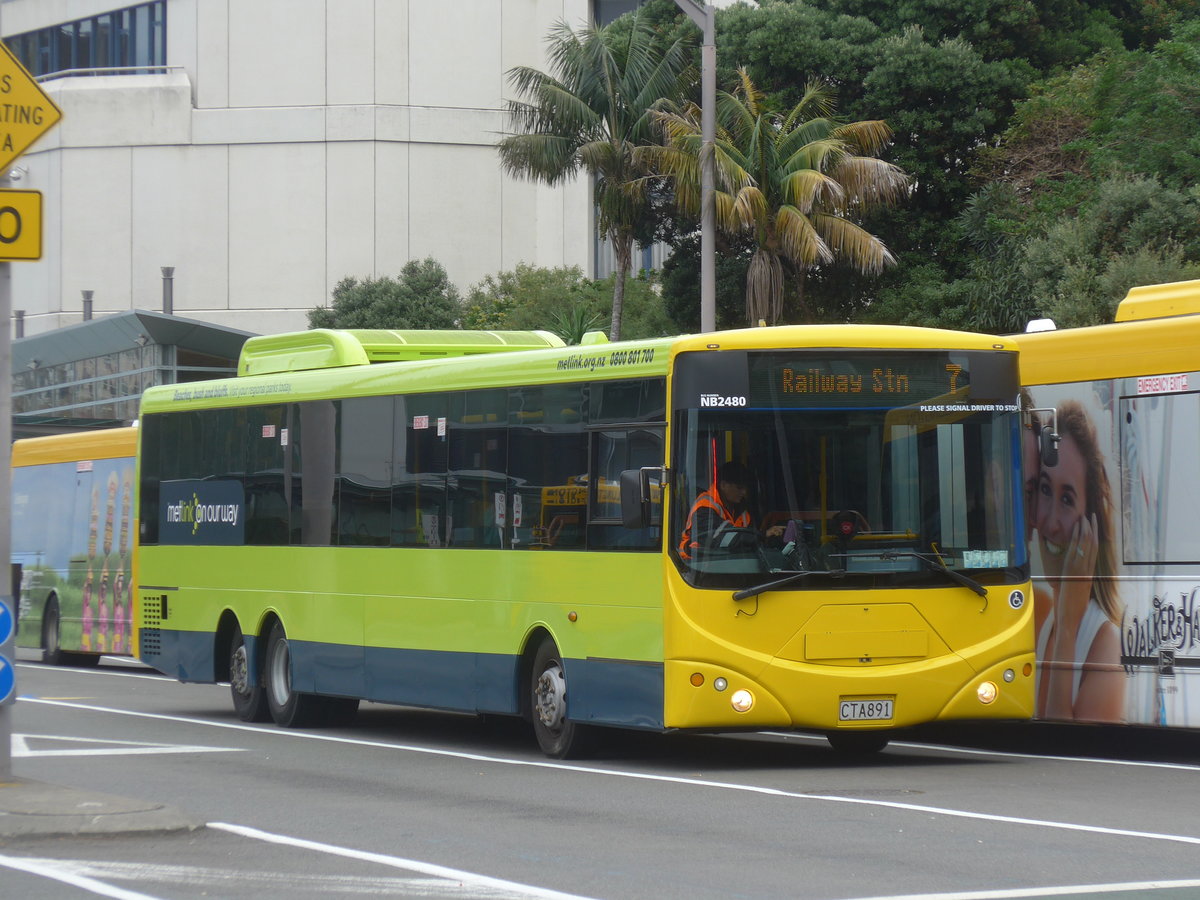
(1003, 754)
(1057, 891)
(800, 736)
(52, 869)
(458, 885)
(22, 748)
(480, 881)
(645, 776)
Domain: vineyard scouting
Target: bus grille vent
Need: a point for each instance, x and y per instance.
(151, 642)
(151, 635)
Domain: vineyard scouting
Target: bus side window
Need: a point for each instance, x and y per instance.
(614, 451)
(364, 479)
(418, 502)
(547, 466)
(476, 482)
(267, 508)
(310, 465)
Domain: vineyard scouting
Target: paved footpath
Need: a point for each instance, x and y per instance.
(37, 809)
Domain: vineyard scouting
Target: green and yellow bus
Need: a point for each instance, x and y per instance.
(490, 522)
(1115, 559)
(73, 542)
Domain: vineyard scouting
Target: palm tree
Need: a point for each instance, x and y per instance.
(793, 182)
(592, 113)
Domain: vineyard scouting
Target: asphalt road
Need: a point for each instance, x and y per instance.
(407, 803)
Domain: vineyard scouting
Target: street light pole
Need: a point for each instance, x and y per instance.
(702, 15)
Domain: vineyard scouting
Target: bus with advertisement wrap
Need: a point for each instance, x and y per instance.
(73, 543)
(1114, 555)
(490, 522)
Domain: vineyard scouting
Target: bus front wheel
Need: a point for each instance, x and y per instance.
(249, 701)
(557, 735)
(288, 708)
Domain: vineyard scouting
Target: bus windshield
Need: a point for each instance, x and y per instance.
(858, 469)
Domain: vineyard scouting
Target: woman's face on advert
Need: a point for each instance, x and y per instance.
(1062, 496)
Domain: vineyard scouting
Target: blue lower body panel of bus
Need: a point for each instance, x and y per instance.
(625, 693)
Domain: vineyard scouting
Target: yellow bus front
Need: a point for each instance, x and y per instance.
(870, 570)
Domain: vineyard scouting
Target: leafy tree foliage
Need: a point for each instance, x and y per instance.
(422, 297)
(794, 181)
(563, 301)
(1133, 232)
(590, 112)
(681, 284)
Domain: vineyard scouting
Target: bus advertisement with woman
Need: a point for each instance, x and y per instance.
(494, 523)
(73, 537)
(1113, 542)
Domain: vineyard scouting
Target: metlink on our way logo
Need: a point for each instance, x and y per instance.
(193, 512)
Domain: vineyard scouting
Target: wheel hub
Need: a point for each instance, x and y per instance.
(238, 671)
(550, 697)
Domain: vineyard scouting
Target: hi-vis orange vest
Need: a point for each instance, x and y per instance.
(710, 499)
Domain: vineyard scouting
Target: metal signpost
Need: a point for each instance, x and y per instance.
(702, 15)
(26, 113)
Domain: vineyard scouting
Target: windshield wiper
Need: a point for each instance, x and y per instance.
(938, 566)
(781, 582)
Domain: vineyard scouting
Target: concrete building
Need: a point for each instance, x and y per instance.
(266, 149)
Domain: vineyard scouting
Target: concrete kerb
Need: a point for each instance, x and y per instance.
(36, 809)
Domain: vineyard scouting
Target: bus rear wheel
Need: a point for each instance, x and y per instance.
(557, 735)
(249, 701)
(287, 707)
(52, 652)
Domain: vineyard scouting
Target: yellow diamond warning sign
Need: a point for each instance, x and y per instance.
(26, 113)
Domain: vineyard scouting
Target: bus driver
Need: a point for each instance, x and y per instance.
(720, 507)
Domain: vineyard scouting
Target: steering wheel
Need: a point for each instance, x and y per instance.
(731, 537)
(847, 523)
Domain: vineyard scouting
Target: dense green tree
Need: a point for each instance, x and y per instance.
(422, 297)
(681, 283)
(562, 300)
(795, 182)
(1147, 110)
(591, 112)
(1134, 231)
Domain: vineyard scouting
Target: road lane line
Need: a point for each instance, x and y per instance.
(643, 776)
(209, 880)
(1003, 754)
(398, 862)
(1057, 891)
(44, 870)
(99, 747)
(791, 735)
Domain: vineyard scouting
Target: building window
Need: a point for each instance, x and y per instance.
(606, 11)
(132, 37)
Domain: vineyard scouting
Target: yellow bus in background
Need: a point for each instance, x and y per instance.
(1113, 546)
(73, 538)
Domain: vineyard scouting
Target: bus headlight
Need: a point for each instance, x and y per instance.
(720, 684)
(986, 692)
(1009, 675)
(742, 700)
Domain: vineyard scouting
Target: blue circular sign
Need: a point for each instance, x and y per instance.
(7, 679)
(6, 622)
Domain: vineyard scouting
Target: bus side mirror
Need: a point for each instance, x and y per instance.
(1047, 435)
(640, 495)
(1048, 449)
